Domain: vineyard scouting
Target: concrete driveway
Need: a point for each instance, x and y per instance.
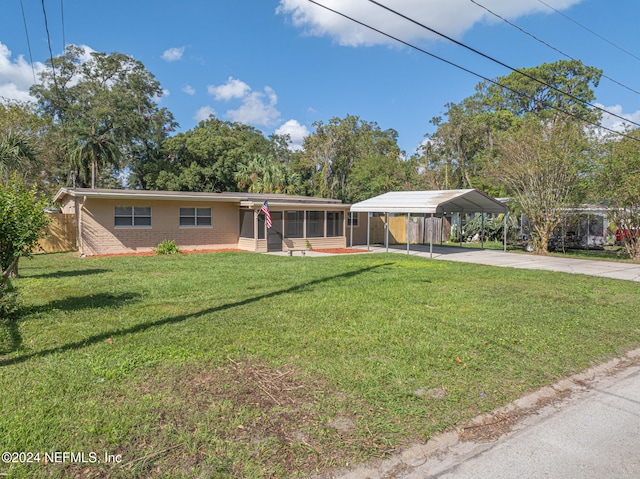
(605, 269)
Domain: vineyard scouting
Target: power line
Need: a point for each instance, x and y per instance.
(566, 55)
(64, 41)
(24, 20)
(53, 67)
(589, 30)
(488, 57)
(410, 45)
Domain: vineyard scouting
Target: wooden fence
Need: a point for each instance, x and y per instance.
(419, 229)
(61, 233)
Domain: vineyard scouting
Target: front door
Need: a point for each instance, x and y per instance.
(274, 234)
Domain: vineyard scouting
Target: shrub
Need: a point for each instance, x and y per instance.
(167, 247)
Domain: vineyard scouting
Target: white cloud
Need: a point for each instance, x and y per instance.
(451, 17)
(297, 133)
(16, 76)
(257, 108)
(173, 54)
(204, 113)
(615, 123)
(189, 90)
(232, 89)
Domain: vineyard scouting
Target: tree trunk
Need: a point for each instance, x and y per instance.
(12, 270)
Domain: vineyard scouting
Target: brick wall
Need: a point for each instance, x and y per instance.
(100, 236)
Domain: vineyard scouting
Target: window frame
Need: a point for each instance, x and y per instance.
(196, 217)
(133, 216)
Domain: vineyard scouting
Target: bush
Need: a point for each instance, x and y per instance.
(167, 247)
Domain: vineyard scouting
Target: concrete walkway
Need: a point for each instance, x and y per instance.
(605, 269)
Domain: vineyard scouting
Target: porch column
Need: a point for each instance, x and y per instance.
(255, 230)
(351, 230)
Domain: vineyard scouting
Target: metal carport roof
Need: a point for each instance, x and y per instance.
(431, 201)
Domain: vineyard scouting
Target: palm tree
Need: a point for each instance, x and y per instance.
(16, 151)
(262, 174)
(92, 151)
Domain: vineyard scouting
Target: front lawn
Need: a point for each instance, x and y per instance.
(247, 365)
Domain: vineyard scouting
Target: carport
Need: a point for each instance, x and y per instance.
(436, 203)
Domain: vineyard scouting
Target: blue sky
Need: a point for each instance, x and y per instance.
(281, 65)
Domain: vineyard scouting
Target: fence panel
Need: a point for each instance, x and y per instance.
(61, 233)
(419, 229)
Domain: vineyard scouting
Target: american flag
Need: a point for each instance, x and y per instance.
(267, 214)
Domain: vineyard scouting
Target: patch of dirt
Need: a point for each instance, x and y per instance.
(493, 426)
(277, 419)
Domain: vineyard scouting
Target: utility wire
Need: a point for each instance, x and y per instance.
(421, 50)
(566, 55)
(590, 31)
(64, 41)
(24, 20)
(488, 57)
(46, 26)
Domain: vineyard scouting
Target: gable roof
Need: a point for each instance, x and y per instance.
(432, 201)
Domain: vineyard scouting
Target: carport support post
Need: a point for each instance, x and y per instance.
(504, 240)
(368, 230)
(386, 231)
(482, 235)
(408, 227)
(431, 239)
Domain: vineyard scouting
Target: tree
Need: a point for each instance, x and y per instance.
(333, 149)
(546, 90)
(22, 220)
(377, 174)
(93, 150)
(21, 119)
(463, 149)
(543, 164)
(616, 182)
(208, 157)
(103, 103)
(263, 174)
(16, 152)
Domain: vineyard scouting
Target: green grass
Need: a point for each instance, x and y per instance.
(246, 365)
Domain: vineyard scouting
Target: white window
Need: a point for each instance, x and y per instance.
(352, 219)
(195, 216)
(132, 216)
